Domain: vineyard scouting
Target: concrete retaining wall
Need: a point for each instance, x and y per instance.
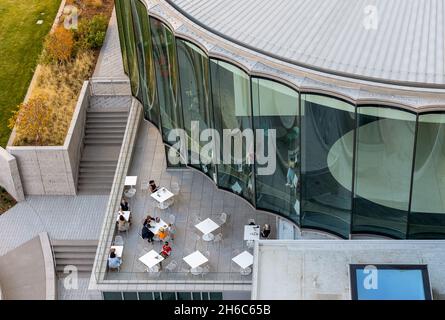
(9, 175)
(54, 170)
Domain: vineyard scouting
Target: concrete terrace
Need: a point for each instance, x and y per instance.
(199, 199)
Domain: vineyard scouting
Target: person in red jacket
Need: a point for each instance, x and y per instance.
(166, 250)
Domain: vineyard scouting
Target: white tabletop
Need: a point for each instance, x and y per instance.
(151, 259)
(207, 226)
(195, 259)
(244, 259)
(157, 225)
(126, 215)
(118, 250)
(162, 195)
(131, 180)
(251, 232)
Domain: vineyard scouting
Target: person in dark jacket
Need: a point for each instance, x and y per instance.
(152, 186)
(124, 205)
(266, 231)
(147, 234)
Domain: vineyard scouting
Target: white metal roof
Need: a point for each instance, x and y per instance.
(397, 40)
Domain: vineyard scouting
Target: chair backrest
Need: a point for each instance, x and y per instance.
(172, 266)
(223, 217)
(205, 269)
(175, 187)
(218, 237)
(118, 241)
(172, 219)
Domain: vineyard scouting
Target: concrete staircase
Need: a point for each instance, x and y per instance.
(104, 132)
(78, 253)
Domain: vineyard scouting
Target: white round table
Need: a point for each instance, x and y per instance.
(208, 237)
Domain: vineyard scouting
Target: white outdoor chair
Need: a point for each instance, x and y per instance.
(205, 270)
(195, 236)
(118, 241)
(223, 218)
(172, 266)
(172, 219)
(246, 271)
(250, 221)
(218, 238)
(176, 189)
(250, 244)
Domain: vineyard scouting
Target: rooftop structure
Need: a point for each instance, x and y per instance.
(319, 270)
(344, 37)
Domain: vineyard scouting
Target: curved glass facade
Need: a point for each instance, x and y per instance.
(232, 111)
(317, 160)
(327, 149)
(276, 107)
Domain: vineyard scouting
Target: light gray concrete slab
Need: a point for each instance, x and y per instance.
(63, 217)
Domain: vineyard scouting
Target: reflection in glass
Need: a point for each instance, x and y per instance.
(231, 101)
(385, 140)
(164, 56)
(275, 106)
(148, 92)
(130, 45)
(121, 29)
(427, 217)
(194, 78)
(327, 151)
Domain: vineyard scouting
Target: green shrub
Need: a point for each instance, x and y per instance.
(91, 33)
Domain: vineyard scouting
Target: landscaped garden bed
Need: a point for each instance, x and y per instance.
(68, 58)
(6, 201)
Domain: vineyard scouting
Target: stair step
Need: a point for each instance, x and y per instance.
(108, 110)
(80, 268)
(103, 125)
(107, 135)
(86, 191)
(75, 262)
(107, 114)
(98, 169)
(96, 179)
(118, 130)
(106, 120)
(70, 249)
(113, 142)
(80, 274)
(95, 163)
(75, 255)
(74, 243)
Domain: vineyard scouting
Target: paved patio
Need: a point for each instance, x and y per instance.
(199, 199)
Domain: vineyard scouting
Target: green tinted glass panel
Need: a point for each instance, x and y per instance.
(276, 114)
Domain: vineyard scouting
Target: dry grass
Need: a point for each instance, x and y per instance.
(60, 85)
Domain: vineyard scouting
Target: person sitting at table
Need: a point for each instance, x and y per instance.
(171, 231)
(124, 205)
(166, 250)
(147, 220)
(162, 234)
(122, 224)
(114, 262)
(152, 186)
(147, 234)
(266, 231)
